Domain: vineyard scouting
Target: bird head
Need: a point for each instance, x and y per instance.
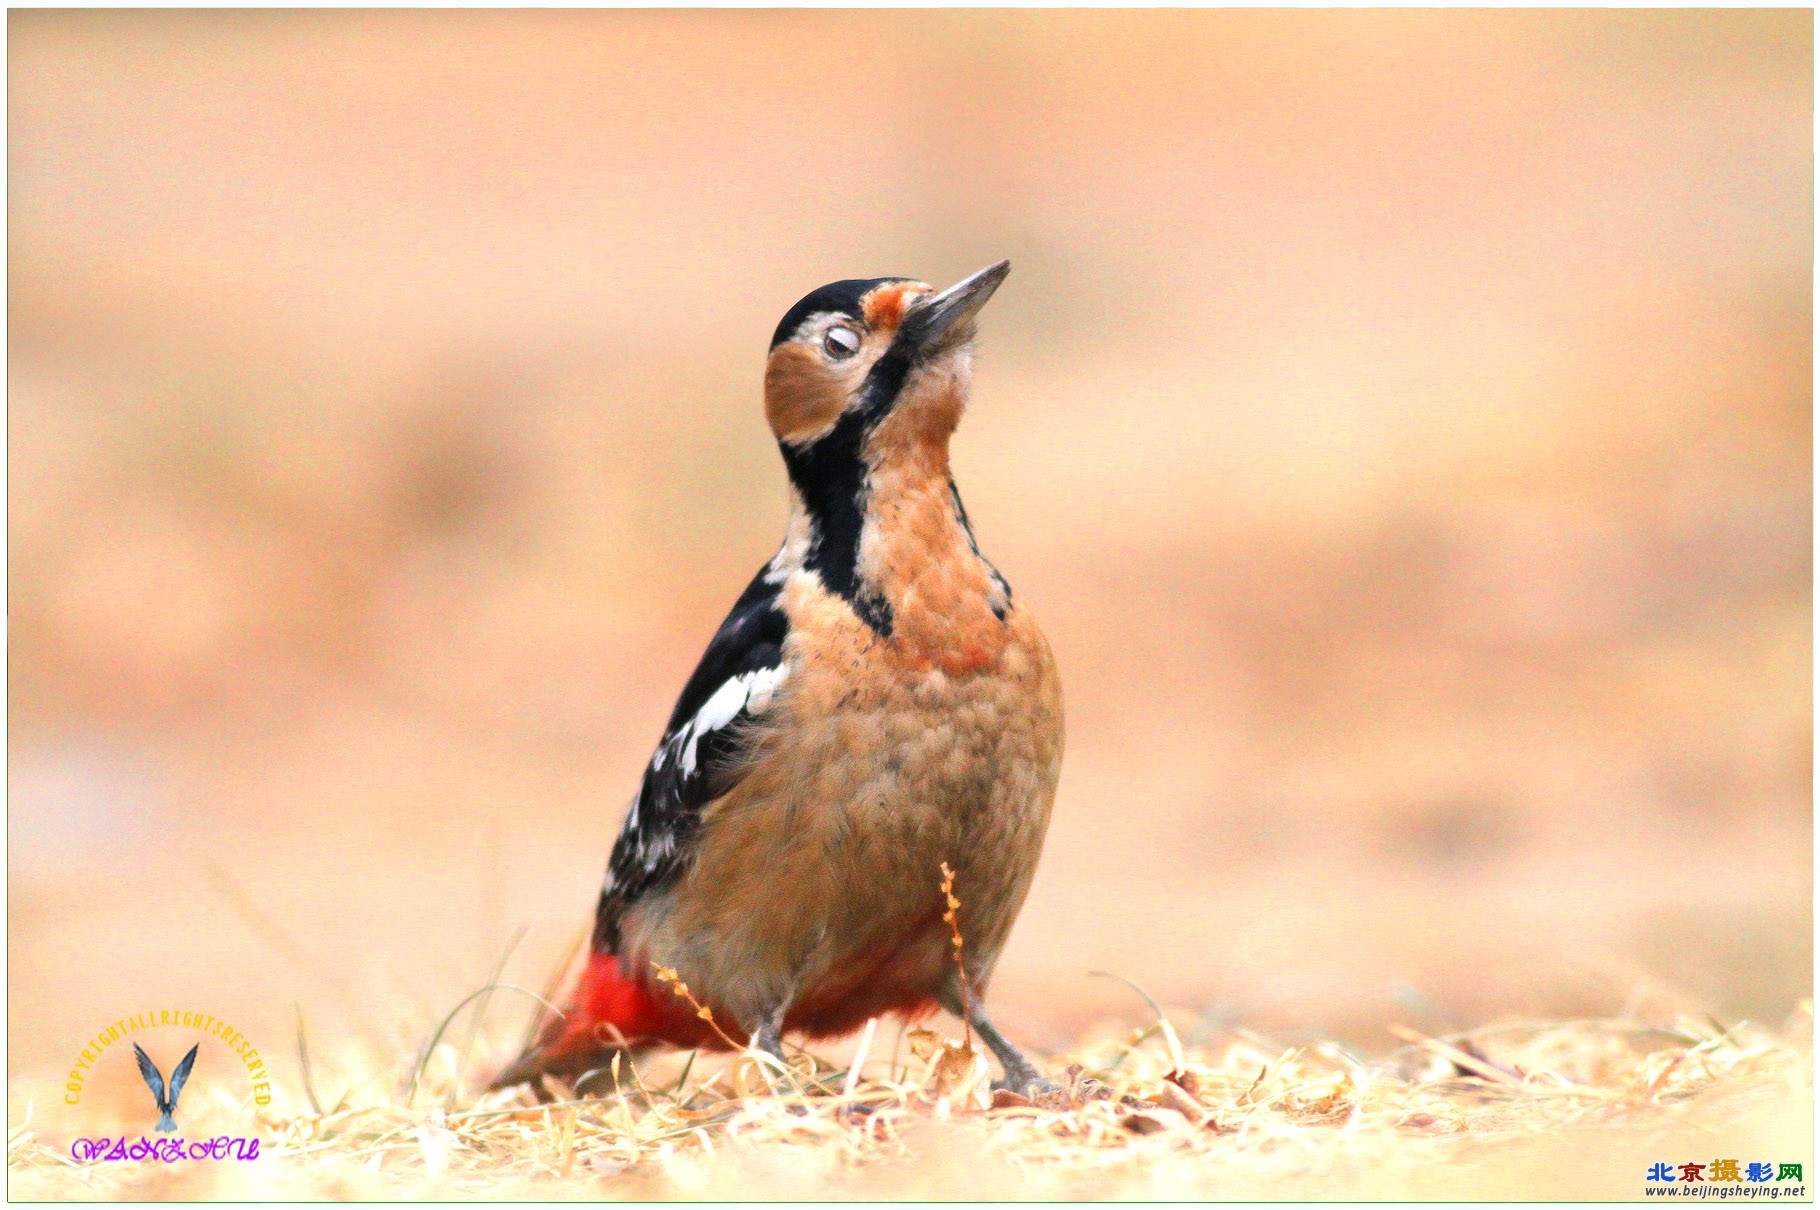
(866, 363)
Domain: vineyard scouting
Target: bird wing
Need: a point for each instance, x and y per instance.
(181, 1073)
(702, 753)
(153, 1080)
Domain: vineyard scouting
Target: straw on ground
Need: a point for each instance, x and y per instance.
(1521, 1109)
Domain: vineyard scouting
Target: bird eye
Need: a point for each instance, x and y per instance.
(840, 343)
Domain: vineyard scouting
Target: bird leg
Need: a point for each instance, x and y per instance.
(769, 1037)
(1021, 1075)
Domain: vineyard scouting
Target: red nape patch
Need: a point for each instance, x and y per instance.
(610, 1007)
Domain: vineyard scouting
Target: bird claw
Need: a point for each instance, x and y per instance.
(1048, 1094)
(1039, 1091)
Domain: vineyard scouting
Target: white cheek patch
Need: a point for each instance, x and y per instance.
(811, 326)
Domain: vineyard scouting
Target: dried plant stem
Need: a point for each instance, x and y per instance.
(667, 974)
(429, 1050)
(303, 1062)
(952, 918)
(859, 1057)
(1162, 1019)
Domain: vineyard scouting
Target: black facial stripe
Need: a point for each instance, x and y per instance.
(830, 475)
(842, 297)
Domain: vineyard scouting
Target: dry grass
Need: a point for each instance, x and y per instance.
(1519, 1110)
(385, 442)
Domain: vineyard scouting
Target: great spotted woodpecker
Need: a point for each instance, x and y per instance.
(877, 703)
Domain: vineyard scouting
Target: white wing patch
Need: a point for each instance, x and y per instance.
(748, 691)
(704, 752)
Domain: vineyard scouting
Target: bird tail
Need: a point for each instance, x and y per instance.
(167, 1123)
(609, 1010)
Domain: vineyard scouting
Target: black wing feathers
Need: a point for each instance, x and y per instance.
(695, 763)
(752, 638)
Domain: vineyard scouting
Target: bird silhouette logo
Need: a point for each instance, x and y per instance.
(167, 1102)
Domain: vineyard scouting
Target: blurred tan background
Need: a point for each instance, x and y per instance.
(1400, 422)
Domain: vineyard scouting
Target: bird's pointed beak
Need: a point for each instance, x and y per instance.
(935, 317)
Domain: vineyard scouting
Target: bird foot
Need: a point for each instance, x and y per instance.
(1042, 1093)
(1028, 1088)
